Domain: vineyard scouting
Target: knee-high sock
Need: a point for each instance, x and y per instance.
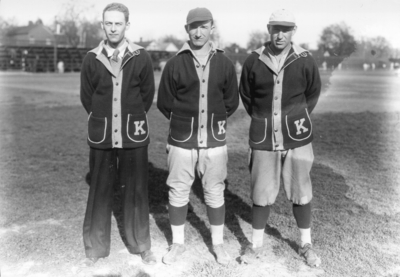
(177, 218)
(216, 216)
(260, 216)
(302, 214)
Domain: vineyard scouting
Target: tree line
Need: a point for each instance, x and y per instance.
(335, 40)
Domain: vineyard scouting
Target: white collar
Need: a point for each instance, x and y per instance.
(110, 51)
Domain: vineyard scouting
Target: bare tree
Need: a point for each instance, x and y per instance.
(257, 39)
(72, 21)
(378, 47)
(6, 25)
(337, 40)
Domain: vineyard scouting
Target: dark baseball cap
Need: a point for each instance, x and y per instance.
(198, 14)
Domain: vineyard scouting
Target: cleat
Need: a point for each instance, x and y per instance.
(148, 257)
(175, 251)
(251, 254)
(89, 262)
(309, 255)
(221, 255)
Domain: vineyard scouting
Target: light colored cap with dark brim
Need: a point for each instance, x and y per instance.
(282, 17)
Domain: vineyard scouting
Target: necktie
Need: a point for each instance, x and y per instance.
(115, 55)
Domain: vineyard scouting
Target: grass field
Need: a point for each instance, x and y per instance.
(356, 177)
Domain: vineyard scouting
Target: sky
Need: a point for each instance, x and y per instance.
(235, 20)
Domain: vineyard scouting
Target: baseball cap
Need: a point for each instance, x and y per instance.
(198, 14)
(282, 17)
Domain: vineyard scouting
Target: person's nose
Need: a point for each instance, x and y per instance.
(280, 35)
(198, 32)
(112, 28)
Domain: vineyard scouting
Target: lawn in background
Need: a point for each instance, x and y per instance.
(43, 193)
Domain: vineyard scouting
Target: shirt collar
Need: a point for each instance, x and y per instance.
(110, 50)
(186, 47)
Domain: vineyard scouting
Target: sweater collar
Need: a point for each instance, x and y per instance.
(101, 54)
(295, 52)
(186, 47)
(131, 47)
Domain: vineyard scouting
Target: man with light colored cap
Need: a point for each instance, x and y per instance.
(280, 86)
(197, 93)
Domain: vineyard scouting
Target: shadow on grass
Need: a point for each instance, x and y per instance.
(329, 198)
(158, 199)
(237, 208)
(327, 186)
(158, 205)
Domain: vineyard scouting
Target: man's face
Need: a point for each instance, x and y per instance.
(199, 33)
(114, 26)
(281, 36)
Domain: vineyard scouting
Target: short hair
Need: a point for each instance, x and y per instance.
(117, 7)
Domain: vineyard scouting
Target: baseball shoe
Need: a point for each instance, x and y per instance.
(250, 254)
(175, 251)
(148, 257)
(89, 262)
(309, 255)
(221, 255)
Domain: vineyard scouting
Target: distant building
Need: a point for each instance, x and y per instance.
(31, 35)
(158, 46)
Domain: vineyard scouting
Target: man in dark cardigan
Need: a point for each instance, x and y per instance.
(117, 90)
(279, 87)
(198, 92)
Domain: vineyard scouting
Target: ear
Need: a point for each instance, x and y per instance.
(268, 28)
(186, 28)
(294, 30)
(102, 25)
(212, 29)
(128, 24)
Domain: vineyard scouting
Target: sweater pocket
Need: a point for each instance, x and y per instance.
(299, 125)
(137, 127)
(258, 130)
(181, 128)
(218, 126)
(97, 129)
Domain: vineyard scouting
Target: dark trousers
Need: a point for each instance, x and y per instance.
(130, 168)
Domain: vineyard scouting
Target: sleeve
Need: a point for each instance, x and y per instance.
(231, 93)
(147, 86)
(87, 88)
(245, 85)
(313, 85)
(166, 91)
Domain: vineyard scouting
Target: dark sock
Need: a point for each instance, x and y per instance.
(260, 216)
(302, 214)
(216, 216)
(177, 215)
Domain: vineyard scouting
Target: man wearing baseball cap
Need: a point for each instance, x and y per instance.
(280, 86)
(197, 93)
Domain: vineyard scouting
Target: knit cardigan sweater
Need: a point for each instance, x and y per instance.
(179, 94)
(135, 86)
(299, 87)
